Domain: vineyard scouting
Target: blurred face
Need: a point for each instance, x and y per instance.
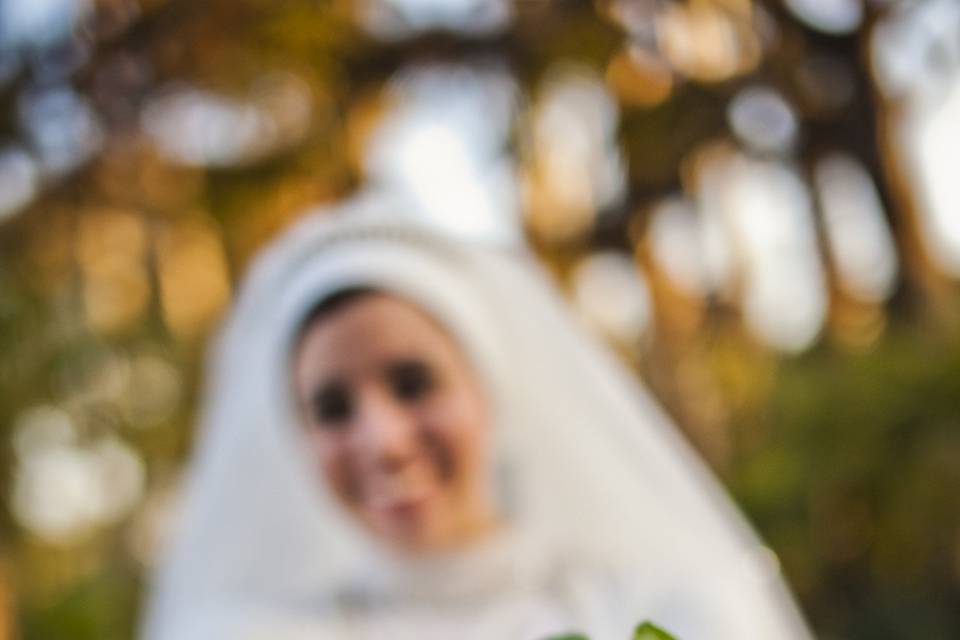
(397, 422)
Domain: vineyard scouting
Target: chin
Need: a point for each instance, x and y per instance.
(407, 533)
(409, 525)
(409, 541)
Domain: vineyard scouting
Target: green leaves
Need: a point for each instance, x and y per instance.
(644, 631)
(650, 631)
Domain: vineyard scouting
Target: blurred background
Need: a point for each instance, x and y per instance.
(755, 202)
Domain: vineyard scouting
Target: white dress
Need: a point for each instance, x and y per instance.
(483, 593)
(610, 518)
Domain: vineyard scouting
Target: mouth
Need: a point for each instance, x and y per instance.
(403, 502)
(407, 509)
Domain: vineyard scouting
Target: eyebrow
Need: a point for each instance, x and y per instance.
(332, 383)
(340, 380)
(408, 362)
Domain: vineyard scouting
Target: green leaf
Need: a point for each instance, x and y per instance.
(650, 631)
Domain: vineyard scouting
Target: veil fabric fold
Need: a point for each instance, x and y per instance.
(600, 494)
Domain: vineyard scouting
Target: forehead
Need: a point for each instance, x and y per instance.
(372, 327)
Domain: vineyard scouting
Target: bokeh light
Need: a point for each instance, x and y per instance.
(836, 17)
(861, 244)
(575, 166)
(111, 249)
(442, 146)
(199, 127)
(932, 131)
(708, 42)
(676, 240)
(18, 180)
(62, 127)
(39, 22)
(763, 119)
(767, 212)
(194, 286)
(62, 489)
(612, 295)
(395, 19)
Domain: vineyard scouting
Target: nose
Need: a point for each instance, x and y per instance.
(386, 436)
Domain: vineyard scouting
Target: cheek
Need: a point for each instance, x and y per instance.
(332, 460)
(460, 431)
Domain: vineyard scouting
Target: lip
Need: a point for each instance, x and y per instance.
(410, 509)
(407, 508)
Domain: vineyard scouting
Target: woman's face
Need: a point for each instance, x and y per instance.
(397, 422)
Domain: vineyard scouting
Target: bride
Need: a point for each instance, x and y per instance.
(408, 437)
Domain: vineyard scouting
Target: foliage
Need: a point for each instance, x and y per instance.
(650, 631)
(644, 631)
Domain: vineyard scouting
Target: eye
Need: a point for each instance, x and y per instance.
(411, 380)
(332, 407)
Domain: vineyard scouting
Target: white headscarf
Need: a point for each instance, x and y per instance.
(593, 479)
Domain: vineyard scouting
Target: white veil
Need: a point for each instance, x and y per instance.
(591, 472)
